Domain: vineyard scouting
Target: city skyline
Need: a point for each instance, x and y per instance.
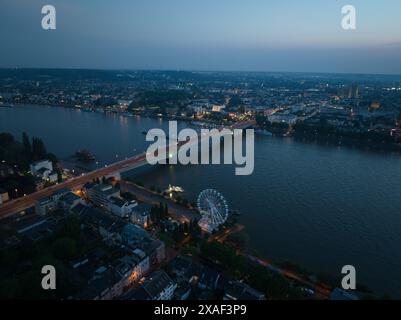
(256, 36)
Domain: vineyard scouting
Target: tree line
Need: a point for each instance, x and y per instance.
(22, 154)
(18, 155)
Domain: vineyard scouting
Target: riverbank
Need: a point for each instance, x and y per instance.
(178, 211)
(375, 140)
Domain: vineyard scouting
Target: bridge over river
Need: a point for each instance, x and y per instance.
(20, 204)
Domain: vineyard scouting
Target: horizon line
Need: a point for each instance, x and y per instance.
(201, 71)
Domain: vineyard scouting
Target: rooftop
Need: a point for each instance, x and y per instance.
(118, 201)
(69, 197)
(153, 286)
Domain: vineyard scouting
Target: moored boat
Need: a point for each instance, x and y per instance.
(84, 155)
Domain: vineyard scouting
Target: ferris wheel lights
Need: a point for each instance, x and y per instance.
(213, 209)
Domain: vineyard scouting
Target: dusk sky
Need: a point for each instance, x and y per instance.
(249, 35)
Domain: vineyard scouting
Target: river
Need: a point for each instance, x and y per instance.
(318, 206)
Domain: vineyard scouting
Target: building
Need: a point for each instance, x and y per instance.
(95, 280)
(43, 169)
(121, 207)
(141, 215)
(349, 92)
(198, 107)
(3, 196)
(5, 171)
(105, 285)
(45, 205)
(35, 227)
(69, 200)
(39, 183)
(183, 292)
(56, 195)
(134, 237)
(185, 269)
(133, 234)
(47, 175)
(63, 199)
(142, 265)
(42, 164)
(283, 118)
(133, 266)
(109, 227)
(156, 250)
(100, 194)
(236, 290)
(353, 92)
(218, 108)
(158, 286)
(119, 232)
(340, 294)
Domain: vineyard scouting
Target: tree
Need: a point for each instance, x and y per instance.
(27, 145)
(186, 228)
(59, 177)
(11, 185)
(72, 227)
(178, 234)
(239, 239)
(30, 286)
(274, 285)
(52, 158)
(261, 119)
(9, 288)
(154, 214)
(197, 229)
(38, 149)
(194, 228)
(64, 248)
(27, 250)
(6, 139)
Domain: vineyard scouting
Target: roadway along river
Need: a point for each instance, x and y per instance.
(318, 206)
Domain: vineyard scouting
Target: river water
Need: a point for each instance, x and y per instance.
(319, 206)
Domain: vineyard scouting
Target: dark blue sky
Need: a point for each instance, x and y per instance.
(254, 35)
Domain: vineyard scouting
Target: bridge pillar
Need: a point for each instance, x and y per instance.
(114, 175)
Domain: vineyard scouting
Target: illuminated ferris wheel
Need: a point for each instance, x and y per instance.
(213, 209)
